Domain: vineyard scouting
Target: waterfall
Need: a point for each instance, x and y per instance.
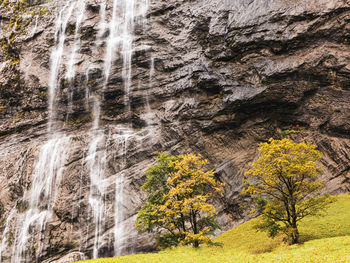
(102, 25)
(41, 196)
(56, 56)
(119, 233)
(80, 10)
(70, 68)
(121, 37)
(96, 162)
(35, 25)
(127, 41)
(149, 115)
(6, 232)
(119, 42)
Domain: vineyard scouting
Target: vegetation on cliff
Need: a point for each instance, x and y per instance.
(23, 12)
(16, 17)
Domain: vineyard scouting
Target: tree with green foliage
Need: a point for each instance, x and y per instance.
(178, 190)
(284, 182)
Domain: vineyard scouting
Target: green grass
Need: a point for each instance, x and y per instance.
(326, 239)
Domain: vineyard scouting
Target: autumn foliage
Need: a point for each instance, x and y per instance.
(284, 182)
(178, 208)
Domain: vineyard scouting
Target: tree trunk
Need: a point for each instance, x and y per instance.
(183, 222)
(295, 235)
(195, 230)
(295, 231)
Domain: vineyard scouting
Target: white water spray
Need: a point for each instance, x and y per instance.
(119, 233)
(35, 25)
(53, 154)
(119, 41)
(56, 56)
(96, 163)
(6, 233)
(80, 10)
(121, 140)
(102, 25)
(41, 196)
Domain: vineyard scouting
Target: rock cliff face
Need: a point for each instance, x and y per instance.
(90, 89)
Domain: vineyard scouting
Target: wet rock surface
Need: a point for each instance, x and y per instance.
(211, 77)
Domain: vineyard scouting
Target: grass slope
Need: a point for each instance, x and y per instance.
(326, 239)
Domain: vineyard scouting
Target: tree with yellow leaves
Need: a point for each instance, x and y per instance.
(285, 184)
(179, 189)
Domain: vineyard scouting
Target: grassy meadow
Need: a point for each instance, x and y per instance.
(324, 239)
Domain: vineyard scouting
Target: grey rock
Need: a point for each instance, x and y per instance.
(227, 75)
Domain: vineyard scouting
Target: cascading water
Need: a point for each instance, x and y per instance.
(118, 217)
(70, 67)
(41, 197)
(56, 56)
(102, 25)
(80, 11)
(6, 232)
(36, 25)
(121, 28)
(96, 162)
(119, 21)
(149, 116)
(119, 41)
(119, 233)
